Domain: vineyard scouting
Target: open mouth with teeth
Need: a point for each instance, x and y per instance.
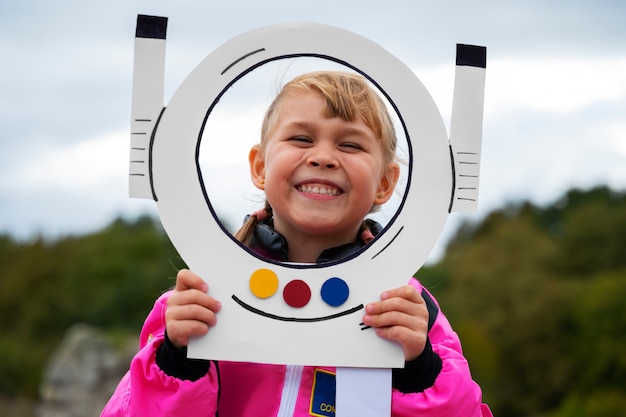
(321, 189)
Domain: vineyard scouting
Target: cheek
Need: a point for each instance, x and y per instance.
(276, 173)
(277, 186)
(365, 177)
(278, 163)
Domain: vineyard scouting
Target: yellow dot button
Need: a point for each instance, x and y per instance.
(263, 283)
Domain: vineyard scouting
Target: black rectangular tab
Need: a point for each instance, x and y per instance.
(152, 27)
(471, 55)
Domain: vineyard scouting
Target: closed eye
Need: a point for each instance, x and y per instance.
(351, 146)
(300, 139)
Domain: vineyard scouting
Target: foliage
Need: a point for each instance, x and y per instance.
(535, 293)
(110, 279)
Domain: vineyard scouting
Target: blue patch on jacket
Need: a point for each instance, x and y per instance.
(323, 394)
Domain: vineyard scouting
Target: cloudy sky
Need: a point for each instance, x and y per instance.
(555, 101)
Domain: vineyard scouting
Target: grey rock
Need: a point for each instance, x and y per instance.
(81, 374)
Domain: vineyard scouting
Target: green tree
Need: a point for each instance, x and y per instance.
(534, 294)
(110, 279)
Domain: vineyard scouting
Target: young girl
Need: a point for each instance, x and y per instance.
(326, 159)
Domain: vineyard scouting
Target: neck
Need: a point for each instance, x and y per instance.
(301, 252)
(306, 248)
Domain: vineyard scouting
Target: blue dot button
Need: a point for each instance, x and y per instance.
(335, 292)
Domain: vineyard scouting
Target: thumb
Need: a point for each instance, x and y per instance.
(187, 280)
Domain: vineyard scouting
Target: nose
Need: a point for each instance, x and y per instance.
(322, 156)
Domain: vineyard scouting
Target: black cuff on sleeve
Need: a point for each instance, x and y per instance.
(174, 362)
(418, 374)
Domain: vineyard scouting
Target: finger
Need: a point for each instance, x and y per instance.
(397, 318)
(191, 312)
(194, 297)
(188, 320)
(407, 292)
(396, 312)
(180, 332)
(185, 280)
(412, 342)
(399, 334)
(394, 304)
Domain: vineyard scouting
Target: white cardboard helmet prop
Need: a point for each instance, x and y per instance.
(326, 331)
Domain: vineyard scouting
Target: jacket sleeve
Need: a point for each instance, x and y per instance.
(453, 393)
(147, 391)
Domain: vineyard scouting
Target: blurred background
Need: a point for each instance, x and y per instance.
(533, 282)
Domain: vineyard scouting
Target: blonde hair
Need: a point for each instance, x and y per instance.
(347, 96)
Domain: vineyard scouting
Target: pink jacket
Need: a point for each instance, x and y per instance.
(255, 390)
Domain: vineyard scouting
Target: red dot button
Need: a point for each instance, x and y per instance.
(297, 293)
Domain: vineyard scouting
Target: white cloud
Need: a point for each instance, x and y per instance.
(616, 135)
(545, 124)
(555, 85)
(77, 165)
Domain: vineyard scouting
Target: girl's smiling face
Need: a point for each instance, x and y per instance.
(321, 175)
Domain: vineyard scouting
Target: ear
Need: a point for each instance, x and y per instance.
(387, 184)
(257, 166)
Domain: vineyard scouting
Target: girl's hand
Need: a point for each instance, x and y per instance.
(190, 310)
(400, 315)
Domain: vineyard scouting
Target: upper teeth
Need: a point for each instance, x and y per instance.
(327, 190)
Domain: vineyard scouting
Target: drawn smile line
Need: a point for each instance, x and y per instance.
(295, 319)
